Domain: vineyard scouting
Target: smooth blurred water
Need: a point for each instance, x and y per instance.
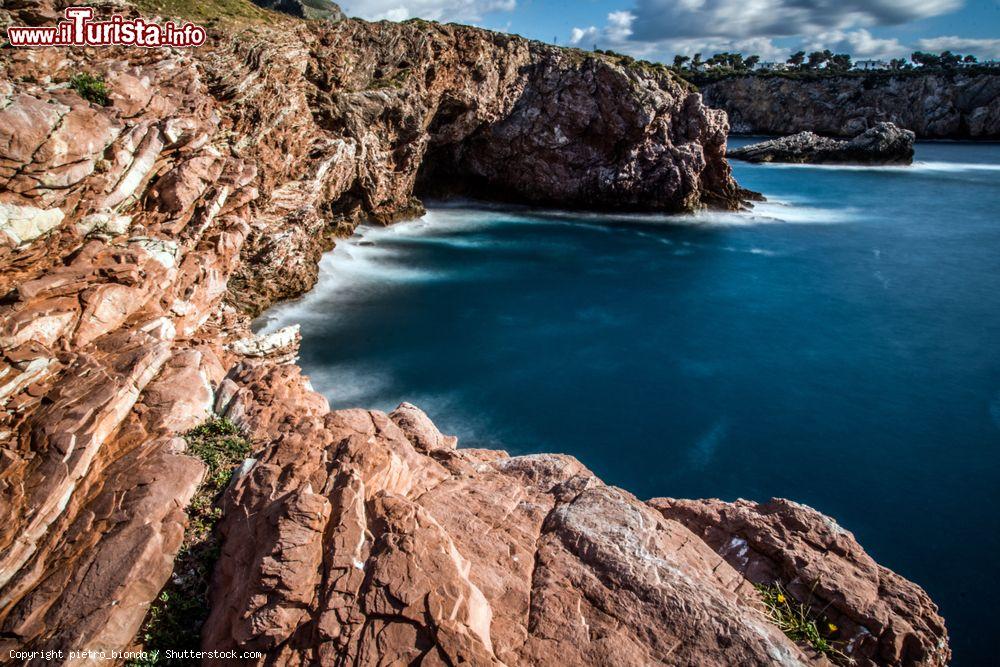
(838, 346)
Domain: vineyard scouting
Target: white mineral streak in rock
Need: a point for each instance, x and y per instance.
(24, 224)
(279, 341)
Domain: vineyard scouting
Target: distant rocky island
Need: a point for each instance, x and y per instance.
(169, 480)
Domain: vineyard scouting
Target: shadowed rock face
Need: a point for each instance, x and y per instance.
(135, 239)
(514, 119)
(883, 144)
(934, 106)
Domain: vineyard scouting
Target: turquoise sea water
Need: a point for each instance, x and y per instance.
(839, 346)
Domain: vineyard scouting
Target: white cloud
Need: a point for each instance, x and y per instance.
(661, 28)
(985, 49)
(620, 26)
(617, 33)
(657, 20)
(585, 35)
(859, 43)
(435, 10)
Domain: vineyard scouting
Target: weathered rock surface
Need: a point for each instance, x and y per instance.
(934, 106)
(138, 238)
(883, 144)
(349, 539)
(824, 567)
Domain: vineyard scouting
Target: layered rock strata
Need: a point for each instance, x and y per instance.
(934, 106)
(138, 238)
(883, 144)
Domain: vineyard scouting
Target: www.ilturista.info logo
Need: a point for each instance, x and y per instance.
(80, 29)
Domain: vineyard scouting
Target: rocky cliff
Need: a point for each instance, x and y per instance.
(139, 236)
(934, 106)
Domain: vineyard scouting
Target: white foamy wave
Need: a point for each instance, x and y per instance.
(772, 211)
(778, 211)
(350, 386)
(920, 166)
(768, 212)
(440, 222)
(357, 264)
(954, 166)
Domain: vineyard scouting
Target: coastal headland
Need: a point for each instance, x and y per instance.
(169, 478)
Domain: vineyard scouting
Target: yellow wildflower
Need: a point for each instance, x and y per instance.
(781, 598)
(833, 628)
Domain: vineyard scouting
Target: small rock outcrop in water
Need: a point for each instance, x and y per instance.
(137, 237)
(883, 144)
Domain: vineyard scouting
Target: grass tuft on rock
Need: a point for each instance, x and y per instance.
(91, 88)
(175, 618)
(800, 623)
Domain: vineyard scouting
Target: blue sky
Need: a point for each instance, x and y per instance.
(658, 29)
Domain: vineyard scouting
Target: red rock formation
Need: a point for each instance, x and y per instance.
(352, 538)
(135, 238)
(883, 618)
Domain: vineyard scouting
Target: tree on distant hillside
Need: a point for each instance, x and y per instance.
(817, 58)
(751, 61)
(733, 61)
(797, 58)
(926, 59)
(840, 62)
(949, 59)
(680, 61)
(898, 63)
(696, 61)
(970, 59)
(943, 60)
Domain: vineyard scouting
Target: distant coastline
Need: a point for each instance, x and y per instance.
(955, 105)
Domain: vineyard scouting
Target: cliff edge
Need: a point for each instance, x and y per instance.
(145, 219)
